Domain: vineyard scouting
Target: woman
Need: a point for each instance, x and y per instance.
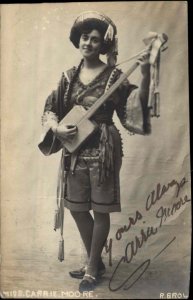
(92, 177)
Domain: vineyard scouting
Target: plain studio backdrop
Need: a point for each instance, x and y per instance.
(35, 50)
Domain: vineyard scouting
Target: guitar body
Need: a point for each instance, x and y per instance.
(81, 118)
(85, 127)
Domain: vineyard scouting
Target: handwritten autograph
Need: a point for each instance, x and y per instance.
(137, 243)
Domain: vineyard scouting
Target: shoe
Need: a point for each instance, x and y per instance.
(79, 274)
(87, 284)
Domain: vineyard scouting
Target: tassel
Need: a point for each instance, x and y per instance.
(111, 59)
(59, 213)
(109, 33)
(112, 54)
(151, 96)
(157, 105)
(57, 222)
(61, 250)
(153, 108)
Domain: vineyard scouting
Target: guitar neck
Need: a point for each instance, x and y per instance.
(104, 97)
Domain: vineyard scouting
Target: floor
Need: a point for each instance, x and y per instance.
(159, 268)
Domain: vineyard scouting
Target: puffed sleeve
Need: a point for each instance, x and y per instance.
(54, 111)
(132, 111)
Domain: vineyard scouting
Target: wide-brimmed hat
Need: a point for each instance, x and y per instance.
(97, 20)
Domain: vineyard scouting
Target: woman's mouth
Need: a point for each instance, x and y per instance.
(86, 48)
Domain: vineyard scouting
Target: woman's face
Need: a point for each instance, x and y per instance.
(90, 44)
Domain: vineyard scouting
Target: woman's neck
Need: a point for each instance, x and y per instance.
(93, 63)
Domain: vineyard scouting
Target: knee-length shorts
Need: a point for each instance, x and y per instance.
(83, 192)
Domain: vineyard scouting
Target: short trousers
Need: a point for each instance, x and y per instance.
(83, 192)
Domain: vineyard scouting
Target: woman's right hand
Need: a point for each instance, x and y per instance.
(66, 131)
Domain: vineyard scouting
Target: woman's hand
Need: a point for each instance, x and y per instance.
(66, 131)
(143, 60)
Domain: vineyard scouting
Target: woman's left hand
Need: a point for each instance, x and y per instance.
(143, 60)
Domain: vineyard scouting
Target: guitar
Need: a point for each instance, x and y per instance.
(80, 117)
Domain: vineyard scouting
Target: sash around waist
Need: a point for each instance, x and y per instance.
(102, 118)
(91, 146)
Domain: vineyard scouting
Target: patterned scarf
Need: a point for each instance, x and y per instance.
(156, 42)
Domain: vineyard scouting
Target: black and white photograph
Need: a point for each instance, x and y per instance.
(95, 150)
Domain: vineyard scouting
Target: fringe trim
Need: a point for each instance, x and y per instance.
(49, 118)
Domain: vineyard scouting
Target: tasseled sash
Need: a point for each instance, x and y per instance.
(106, 151)
(106, 148)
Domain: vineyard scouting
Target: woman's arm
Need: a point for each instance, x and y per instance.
(132, 108)
(145, 81)
(54, 110)
(54, 106)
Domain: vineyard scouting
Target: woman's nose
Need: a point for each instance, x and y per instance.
(88, 42)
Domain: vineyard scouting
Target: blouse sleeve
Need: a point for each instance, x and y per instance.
(54, 111)
(132, 112)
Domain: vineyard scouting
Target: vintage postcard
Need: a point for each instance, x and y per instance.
(95, 154)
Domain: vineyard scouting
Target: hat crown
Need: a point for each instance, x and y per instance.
(95, 15)
(103, 22)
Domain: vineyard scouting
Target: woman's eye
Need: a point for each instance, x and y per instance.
(84, 37)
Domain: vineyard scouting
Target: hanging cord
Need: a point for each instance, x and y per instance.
(57, 224)
(59, 214)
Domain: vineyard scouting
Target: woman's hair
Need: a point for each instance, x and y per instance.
(86, 27)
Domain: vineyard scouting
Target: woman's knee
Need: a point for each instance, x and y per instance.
(102, 218)
(77, 215)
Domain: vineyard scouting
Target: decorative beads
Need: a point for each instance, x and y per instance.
(110, 81)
